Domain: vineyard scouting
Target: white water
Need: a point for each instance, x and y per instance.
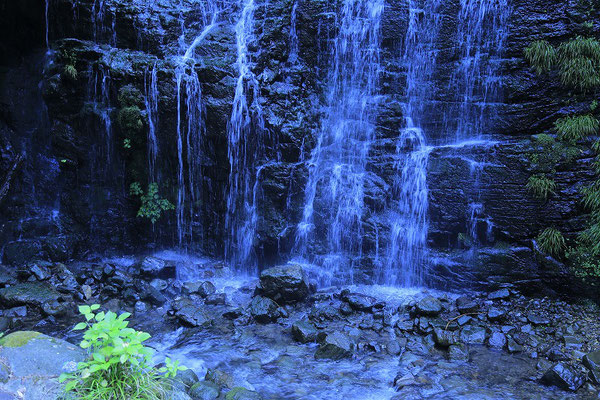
(337, 163)
(151, 85)
(245, 148)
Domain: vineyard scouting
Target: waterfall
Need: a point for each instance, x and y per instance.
(245, 147)
(47, 16)
(408, 215)
(334, 192)
(294, 45)
(476, 79)
(151, 86)
(190, 127)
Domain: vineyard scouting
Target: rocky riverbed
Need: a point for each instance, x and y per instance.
(278, 337)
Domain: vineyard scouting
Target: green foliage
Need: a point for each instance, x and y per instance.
(130, 119)
(70, 71)
(152, 205)
(550, 153)
(130, 96)
(541, 56)
(552, 242)
(579, 63)
(119, 362)
(127, 144)
(541, 186)
(574, 128)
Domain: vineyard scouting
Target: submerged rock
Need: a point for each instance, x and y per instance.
(563, 377)
(335, 346)
(240, 393)
(190, 314)
(284, 283)
(205, 390)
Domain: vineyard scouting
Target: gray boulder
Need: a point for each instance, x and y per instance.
(429, 306)
(564, 377)
(335, 346)
(264, 310)
(304, 332)
(205, 390)
(284, 283)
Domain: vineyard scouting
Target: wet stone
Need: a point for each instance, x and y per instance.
(458, 352)
(264, 310)
(496, 314)
(443, 338)
(538, 320)
(157, 268)
(206, 289)
(463, 320)
(512, 346)
(497, 340)
(240, 393)
(466, 305)
(473, 335)
(284, 283)
(429, 306)
(216, 299)
(335, 346)
(359, 302)
(304, 332)
(204, 390)
(499, 294)
(564, 377)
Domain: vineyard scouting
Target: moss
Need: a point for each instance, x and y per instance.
(18, 339)
(130, 96)
(130, 119)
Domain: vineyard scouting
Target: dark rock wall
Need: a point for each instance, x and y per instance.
(81, 178)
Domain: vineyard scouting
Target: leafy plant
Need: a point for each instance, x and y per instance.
(119, 362)
(541, 186)
(71, 72)
(579, 63)
(552, 242)
(575, 128)
(127, 143)
(541, 56)
(152, 205)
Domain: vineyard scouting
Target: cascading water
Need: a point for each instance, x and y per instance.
(406, 254)
(337, 163)
(151, 85)
(245, 144)
(294, 45)
(190, 126)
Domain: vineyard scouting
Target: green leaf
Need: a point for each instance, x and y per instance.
(80, 326)
(95, 307)
(85, 309)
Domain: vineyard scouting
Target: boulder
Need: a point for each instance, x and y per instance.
(205, 390)
(240, 393)
(496, 314)
(29, 293)
(466, 305)
(443, 338)
(497, 340)
(592, 363)
(429, 306)
(284, 283)
(562, 376)
(358, 301)
(264, 310)
(152, 267)
(473, 335)
(335, 346)
(304, 332)
(192, 315)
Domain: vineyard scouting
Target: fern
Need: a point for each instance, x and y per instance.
(541, 186)
(575, 128)
(541, 56)
(552, 242)
(579, 63)
(591, 196)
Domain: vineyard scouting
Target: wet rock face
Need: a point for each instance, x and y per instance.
(285, 283)
(95, 211)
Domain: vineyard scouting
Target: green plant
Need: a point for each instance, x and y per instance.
(552, 242)
(127, 144)
(594, 105)
(591, 196)
(152, 205)
(541, 56)
(574, 128)
(579, 63)
(130, 119)
(541, 186)
(119, 362)
(71, 72)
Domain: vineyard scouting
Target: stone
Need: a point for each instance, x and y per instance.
(499, 295)
(159, 284)
(497, 340)
(140, 307)
(572, 342)
(240, 393)
(495, 314)
(87, 291)
(205, 390)
(264, 310)
(220, 378)
(335, 346)
(191, 287)
(304, 332)
(458, 352)
(41, 272)
(216, 299)
(31, 293)
(17, 312)
(284, 283)
(466, 305)
(153, 296)
(153, 267)
(4, 371)
(358, 301)
(429, 306)
(512, 346)
(538, 320)
(592, 362)
(206, 289)
(473, 335)
(562, 376)
(556, 354)
(192, 315)
(463, 320)
(187, 377)
(443, 338)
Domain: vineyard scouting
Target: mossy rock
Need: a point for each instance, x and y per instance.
(30, 293)
(130, 119)
(130, 96)
(240, 393)
(18, 339)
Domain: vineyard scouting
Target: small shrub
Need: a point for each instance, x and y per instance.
(130, 119)
(152, 205)
(552, 242)
(591, 196)
(572, 129)
(541, 186)
(119, 362)
(70, 71)
(541, 56)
